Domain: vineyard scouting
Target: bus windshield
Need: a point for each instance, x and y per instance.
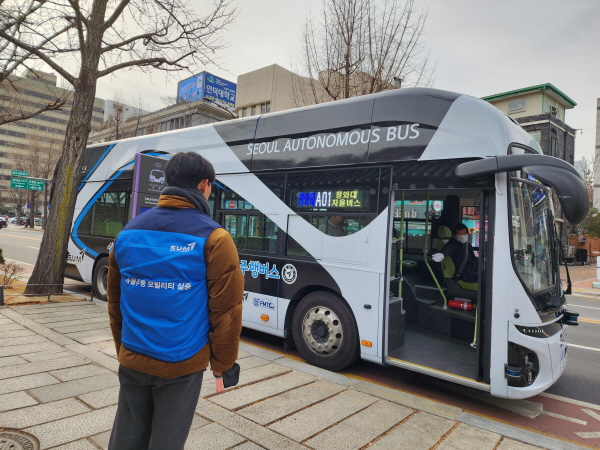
(532, 235)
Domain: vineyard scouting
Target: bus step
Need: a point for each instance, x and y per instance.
(426, 292)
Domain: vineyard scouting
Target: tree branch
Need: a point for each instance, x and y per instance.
(36, 51)
(154, 62)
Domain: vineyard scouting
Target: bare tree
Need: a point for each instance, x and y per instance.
(361, 47)
(115, 121)
(97, 38)
(39, 158)
(15, 105)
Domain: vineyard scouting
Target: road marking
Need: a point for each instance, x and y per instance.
(29, 246)
(584, 347)
(588, 434)
(21, 262)
(594, 414)
(581, 306)
(20, 237)
(569, 400)
(589, 320)
(560, 416)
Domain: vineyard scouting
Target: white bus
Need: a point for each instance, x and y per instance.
(336, 210)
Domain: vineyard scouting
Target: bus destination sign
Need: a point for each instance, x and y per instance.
(354, 199)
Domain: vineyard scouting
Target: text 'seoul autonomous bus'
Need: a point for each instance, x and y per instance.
(336, 209)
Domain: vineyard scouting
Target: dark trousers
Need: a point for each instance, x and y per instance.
(154, 413)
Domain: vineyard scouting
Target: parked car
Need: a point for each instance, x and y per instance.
(3, 223)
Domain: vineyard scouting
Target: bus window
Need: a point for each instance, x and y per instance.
(250, 229)
(332, 225)
(236, 225)
(108, 214)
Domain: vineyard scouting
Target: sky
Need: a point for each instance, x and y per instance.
(480, 48)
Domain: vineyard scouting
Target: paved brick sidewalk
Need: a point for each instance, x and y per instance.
(58, 382)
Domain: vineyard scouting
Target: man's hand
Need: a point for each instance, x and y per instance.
(217, 374)
(438, 257)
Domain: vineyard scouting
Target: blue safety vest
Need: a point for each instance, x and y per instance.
(164, 294)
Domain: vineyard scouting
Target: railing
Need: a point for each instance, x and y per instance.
(49, 294)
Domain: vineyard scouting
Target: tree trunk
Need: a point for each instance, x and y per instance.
(50, 265)
(48, 273)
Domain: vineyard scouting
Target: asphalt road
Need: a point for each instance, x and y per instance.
(20, 244)
(580, 378)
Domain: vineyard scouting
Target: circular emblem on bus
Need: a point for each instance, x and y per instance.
(289, 274)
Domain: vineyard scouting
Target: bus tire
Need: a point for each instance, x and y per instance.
(325, 332)
(100, 278)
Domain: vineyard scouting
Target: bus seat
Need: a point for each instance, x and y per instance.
(113, 228)
(444, 234)
(456, 288)
(98, 229)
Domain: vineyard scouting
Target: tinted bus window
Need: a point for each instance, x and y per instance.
(108, 214)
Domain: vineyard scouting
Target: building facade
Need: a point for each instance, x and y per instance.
(273, 88)
(20, 142)
(541, 111)
(268, 89)
(113, 108)
(175, 117)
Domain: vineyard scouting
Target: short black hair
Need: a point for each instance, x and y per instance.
(460, 226)
(188, 170)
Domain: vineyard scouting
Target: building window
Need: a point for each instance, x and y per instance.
(517, 105)
(265, 108)
(552, 110)
(536, 135)
(253, 111)
(243, 112)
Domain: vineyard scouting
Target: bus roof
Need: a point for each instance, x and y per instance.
(413, 124)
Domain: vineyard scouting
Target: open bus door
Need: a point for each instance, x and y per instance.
(424, 333)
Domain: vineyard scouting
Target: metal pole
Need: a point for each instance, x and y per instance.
(45, 218)
(18, 212)
(1, 295)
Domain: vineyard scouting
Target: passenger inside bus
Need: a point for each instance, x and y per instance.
(432, 315)
(334, 226)
(461, 251)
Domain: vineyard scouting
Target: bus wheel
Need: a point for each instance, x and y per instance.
(324, 331)
(100, 278)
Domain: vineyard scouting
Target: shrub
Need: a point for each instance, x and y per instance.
(9, 272)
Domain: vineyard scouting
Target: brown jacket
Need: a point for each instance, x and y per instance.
(225, 292)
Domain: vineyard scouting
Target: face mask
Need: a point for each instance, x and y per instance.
(462, 238)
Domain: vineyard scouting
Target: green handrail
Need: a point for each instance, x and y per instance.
(426, 251)
(474, 343)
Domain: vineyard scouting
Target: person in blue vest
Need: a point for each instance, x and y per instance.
(175, 291)
(459, 248)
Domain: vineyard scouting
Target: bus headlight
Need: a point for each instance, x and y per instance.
(522, 367)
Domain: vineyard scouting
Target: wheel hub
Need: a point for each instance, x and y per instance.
(322, 331)
(103, 280)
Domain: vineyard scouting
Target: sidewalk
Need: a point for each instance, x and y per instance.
(582, 278)
(58, 383)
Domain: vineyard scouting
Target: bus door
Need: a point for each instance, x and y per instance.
(435, 314)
